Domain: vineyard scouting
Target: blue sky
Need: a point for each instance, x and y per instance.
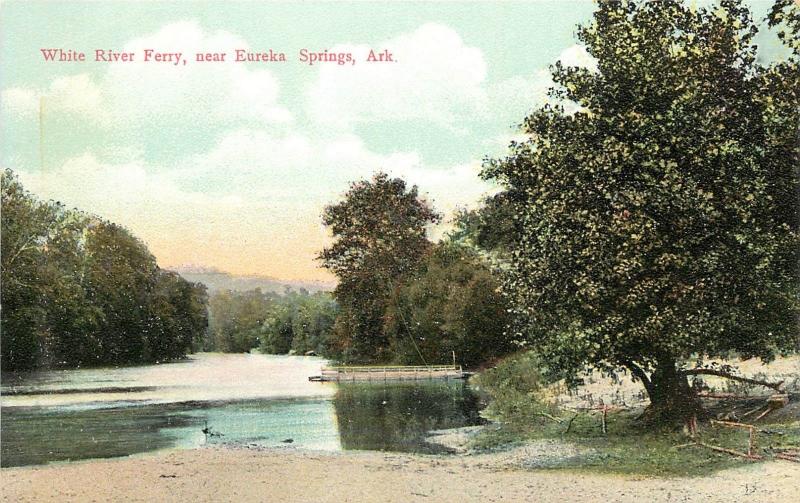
(229, 165)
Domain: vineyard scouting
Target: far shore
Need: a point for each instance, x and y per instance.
(280, 475)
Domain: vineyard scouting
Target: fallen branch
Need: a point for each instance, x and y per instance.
(548, 416)
(732, 423)
(569, 424)
(753, 411)
(726, 375)
(788, 457)
(730, 451)
(723, 396)
(770, 409)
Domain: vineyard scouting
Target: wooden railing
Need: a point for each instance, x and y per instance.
(390, 372)
(393, 368)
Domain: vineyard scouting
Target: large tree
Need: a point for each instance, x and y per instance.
(379, 238)
(655, 202)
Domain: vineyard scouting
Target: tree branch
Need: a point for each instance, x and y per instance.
(726, 375)
(640, 374)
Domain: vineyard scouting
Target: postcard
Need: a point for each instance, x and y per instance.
(400, 251)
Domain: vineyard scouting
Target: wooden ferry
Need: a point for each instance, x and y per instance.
(390, 373)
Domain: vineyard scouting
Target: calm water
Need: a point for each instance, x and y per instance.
(256, 400)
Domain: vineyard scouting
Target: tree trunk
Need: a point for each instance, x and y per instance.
(671, 398)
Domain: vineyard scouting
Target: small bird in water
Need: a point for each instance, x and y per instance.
(209, 433)
(288, 441)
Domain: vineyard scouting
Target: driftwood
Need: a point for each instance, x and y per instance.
(769, 409)
(789, 455)
(753, 411)
(774, 402)
(605, 409)
(728, 375)
(730, 451)
(720, 449)
(778, 401)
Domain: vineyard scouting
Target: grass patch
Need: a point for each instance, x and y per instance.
(626, 448)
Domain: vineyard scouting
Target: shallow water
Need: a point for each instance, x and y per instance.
(254, 400)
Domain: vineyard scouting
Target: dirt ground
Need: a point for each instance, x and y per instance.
(227, 474)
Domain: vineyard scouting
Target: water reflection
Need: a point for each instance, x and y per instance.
(397, 417)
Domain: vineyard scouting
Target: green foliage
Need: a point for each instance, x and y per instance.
(518, 389)
(379, 238)
(785, 17)
(300, 323)
(276, 324)
(236, 319)
(312, 323)
(452, 303)
(488, 228)
(658, 219)
(279, 330)
(81, 291)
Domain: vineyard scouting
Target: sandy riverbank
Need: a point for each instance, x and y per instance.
(222, 474)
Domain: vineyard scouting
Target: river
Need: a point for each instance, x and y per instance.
(246, 399)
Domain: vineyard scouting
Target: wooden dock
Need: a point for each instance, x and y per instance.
(390, 373)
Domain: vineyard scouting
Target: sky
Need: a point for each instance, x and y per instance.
(229, 165)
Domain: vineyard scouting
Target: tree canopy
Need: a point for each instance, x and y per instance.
(78, 290)
(655, 201)
(379, 232)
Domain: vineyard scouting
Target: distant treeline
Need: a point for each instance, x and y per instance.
(296, 322)
(78, 290)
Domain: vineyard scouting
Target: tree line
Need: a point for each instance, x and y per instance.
(78, 290)
(295, 321)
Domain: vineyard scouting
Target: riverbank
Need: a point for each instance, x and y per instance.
(240, 474)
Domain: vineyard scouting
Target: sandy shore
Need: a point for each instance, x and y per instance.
(223, 474)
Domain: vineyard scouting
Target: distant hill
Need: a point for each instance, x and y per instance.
(216, 280)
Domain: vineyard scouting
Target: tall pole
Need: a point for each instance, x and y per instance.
(41, 133)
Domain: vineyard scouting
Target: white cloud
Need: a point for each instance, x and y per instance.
(436, 78)
(264, 166)
(197, 91)
(75, 94)
(576, 55)
(19, 101)
(133, 94)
